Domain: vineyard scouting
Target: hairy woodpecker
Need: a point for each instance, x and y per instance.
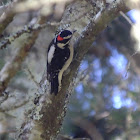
(60, 55)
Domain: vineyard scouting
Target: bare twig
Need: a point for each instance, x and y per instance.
(129, 63)
(11, 68)
(7, 15)
(89, 127)
(131, 23)
(14, 106)
(63, 137)
(32, 77)
(127, 18)
(84, 73)
(26, 29)
(29, 28)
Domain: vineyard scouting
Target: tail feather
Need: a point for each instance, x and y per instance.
(54, 85)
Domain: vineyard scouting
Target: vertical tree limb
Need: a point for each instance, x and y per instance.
(52, 114)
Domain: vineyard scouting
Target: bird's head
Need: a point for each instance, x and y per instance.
(63, 38)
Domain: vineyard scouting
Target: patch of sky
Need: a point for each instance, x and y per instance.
(127, 102)
(117, 103)
(118, 61)
(97, 70)
(92, 113)
(84, 65)
(131, 86)
(79, 91)
(89, 95)
(134, 15)
(120, 100)
(79, 88)
(86, 105)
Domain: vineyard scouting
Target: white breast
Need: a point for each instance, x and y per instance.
(51, 53)
(65, 66)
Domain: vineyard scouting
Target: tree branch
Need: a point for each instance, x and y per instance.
(7, 16)
(11, 68)
(50, 115)
(27, 29)
(89, 127)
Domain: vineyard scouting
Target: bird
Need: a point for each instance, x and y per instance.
(60, 55)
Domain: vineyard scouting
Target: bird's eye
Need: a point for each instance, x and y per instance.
(59, 38)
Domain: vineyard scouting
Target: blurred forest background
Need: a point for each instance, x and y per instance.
(108, 98)
(106, 102)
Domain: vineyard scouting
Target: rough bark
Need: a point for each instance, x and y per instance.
(45, 119)
(52, 114)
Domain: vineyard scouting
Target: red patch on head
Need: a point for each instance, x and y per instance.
(59, 38)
